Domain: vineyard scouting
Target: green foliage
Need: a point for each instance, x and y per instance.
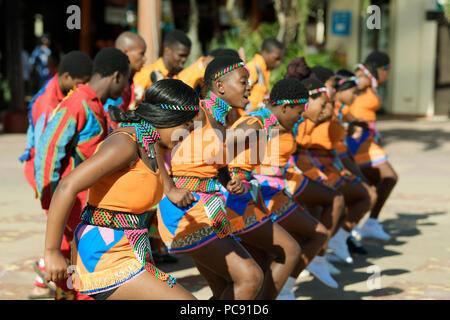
(4, 88)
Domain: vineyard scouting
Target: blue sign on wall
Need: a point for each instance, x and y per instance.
(341, 23)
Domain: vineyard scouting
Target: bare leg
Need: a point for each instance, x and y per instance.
(229, 260)
(384, 178)
(357, 201)
(309, 233)
(148, 287)
(286, 251)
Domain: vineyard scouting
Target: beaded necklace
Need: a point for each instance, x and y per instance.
(217, 107)
(269, 120)
(147, 136)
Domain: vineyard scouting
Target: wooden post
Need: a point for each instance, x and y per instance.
(86, 27)
(149, 20)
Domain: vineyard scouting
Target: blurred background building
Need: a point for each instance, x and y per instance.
(334, 33)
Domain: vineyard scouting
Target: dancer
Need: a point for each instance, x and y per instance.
(72, 135)
(270, 58)
(176, 49)
(134, 47)
(288, 101)
(366, 149)
(111, 249)
(200, 227)
(247, 213)
(75, 68)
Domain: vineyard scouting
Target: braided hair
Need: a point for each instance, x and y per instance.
(170, 92)
(312, 84)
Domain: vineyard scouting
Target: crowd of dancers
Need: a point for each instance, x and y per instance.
(257, 185)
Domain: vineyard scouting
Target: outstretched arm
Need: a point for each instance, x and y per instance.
(116, 153)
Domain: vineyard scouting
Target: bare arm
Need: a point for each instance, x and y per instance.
(116, 153)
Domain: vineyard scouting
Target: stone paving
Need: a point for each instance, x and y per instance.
(414, 264)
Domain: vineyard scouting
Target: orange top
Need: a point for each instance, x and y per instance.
(158, 70)
(279, 149)
(235, 114)
(365, 106)
(135, 189)
(304, 131)
(201, 153)
(246, 159)
(193, 75)
(259, 80)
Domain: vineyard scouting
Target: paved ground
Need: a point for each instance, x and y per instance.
(415, 264)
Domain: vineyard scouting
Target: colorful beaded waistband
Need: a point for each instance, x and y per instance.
(242, 174)
(271, 171)
(118, 220)
(197, 184)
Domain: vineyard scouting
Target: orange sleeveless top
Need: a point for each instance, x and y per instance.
(135, 189)
(365, 106)
(201, 154)
(279, 149)
(246, 159)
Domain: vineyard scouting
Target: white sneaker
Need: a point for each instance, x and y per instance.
(356, 233)
(338, 244)
(373, 229)
(331, 268)
(305, 273)
(319, 269)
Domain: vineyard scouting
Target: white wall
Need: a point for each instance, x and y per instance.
(413, 55)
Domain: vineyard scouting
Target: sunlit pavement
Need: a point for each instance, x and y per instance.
(414, 264)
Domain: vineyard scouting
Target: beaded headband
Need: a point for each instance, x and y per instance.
(347, 79)
(385, 67)
(291, 101)
(319, 90)
(231, 68)
(179, 108)
(368, 74)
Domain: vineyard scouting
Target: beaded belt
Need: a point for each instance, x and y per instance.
(196, 184)
(118, 220)
(271, 171)
(242, 174)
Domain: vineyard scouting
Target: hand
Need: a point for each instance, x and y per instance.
(357, 132)
(235, 186)
(181, 197)
(55, 265)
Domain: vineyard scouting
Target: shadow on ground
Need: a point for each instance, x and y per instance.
(432, 139)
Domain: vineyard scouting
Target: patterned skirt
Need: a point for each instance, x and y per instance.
(189, 228)
(275, 192)
(366, 151)
(329, 163)
(248, 211)
(109, 249)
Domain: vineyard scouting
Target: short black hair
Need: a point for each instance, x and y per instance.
(110, 60)
(77, 64)
(166, 91)
(288, 89)
(271, 43)
(343, 74)
(311, 84)
(219, 52)
(216, 65)
(176, 37)
(375, 60)
(322, 73)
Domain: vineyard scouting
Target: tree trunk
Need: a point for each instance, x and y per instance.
(287, 14)
(196, 49)
(303, 6)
